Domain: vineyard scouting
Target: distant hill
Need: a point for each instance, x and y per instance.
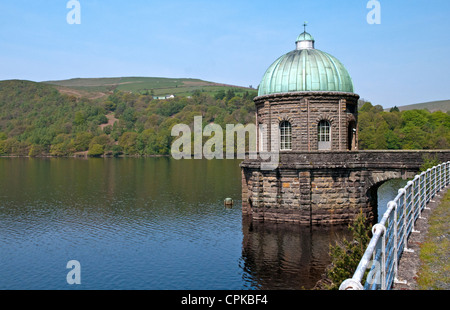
(99, 87)
(432, 106)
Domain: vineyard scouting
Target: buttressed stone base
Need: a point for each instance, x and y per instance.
(325, 188)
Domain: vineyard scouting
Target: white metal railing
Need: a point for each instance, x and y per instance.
(378, 266)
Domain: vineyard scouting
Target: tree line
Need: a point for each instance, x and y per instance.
(402, 130)
(38, 120)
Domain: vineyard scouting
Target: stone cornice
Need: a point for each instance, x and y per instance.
(300, 95)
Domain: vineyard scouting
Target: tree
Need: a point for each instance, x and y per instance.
(80, 118)
(36, 150)
(367, 106)
(393, 140)
(3, 148)
(82, 141)
(429, 162)
(220, 95)
(413, 137)
(163, 142)
(110, 106)
(128, 143)
(346, 255)
(230, 94)
(103, 140)
(116, 151)
(395, 109)
(62, 145)
(416, 118)
(234, 104)
(96, 150)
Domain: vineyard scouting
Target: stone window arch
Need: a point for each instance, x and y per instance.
(351, 137)
(285, 136)
(324, 135)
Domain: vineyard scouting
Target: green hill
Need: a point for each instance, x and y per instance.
(432, 106)
(42, 119)
(100, 87)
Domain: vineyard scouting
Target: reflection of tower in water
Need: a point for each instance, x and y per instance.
(286, 256)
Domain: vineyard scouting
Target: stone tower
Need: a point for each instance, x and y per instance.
(307, 95)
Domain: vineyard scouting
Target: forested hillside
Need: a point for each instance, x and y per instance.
(395, 130)
(37, 120)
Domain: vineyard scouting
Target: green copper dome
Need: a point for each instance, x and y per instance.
(306, 69)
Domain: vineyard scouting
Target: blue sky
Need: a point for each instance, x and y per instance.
(403, 60)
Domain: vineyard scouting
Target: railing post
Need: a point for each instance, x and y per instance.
(405, 215)
(439, 177)
(448, 172)
(435, 181)
(423, 190)
(412, 214)
(400, 191)
(383, 253)
(445, 174)
(418, 181)
(444, 180)
(396, 237)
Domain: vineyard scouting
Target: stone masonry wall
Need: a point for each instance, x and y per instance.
(325, 188)
(304, 111)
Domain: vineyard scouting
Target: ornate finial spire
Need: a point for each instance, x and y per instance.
(305, 40)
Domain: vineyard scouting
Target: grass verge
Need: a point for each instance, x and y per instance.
(434, 272)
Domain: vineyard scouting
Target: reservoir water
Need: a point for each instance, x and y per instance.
(147, 224)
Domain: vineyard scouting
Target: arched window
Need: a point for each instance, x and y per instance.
(285, 136)
(352, 136)
(324, 135)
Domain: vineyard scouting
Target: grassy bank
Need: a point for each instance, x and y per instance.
(435, 251)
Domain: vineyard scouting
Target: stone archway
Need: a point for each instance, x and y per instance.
(325, 188)
(375, 180)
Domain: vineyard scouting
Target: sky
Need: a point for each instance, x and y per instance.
(402, 60)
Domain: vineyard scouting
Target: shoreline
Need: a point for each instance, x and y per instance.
(83, 156)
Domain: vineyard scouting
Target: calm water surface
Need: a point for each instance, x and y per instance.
(147, 224)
